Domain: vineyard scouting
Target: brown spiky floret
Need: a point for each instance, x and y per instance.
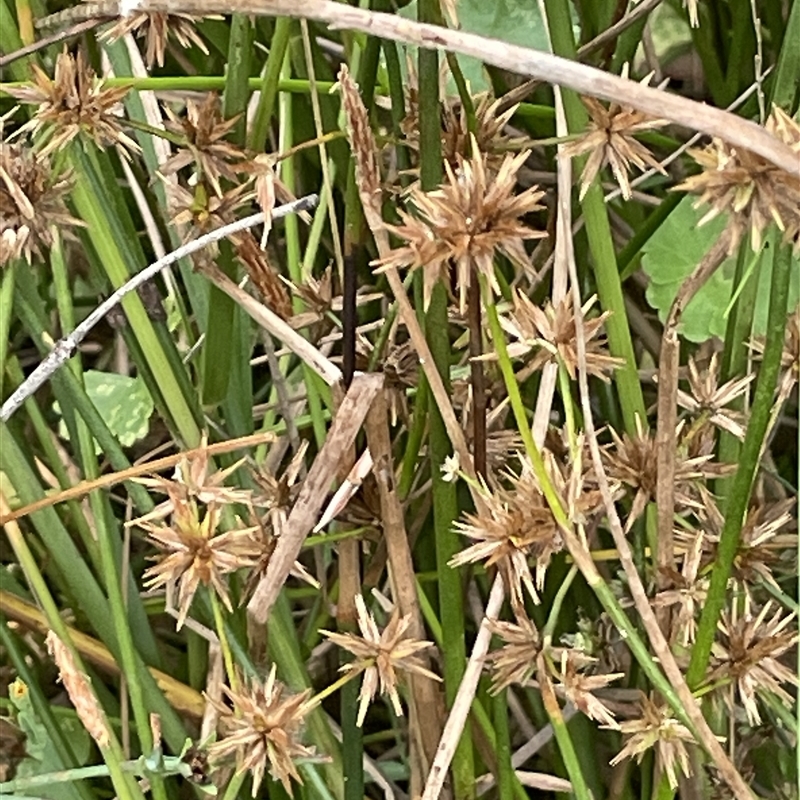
(31, 204)
(767, 540)
(513, 526)
(550, 334)
(707, 400)
(752, 191)
(687, 590)
(73, 103)
(632, 462)
(578, 684)
(657, 728)
(515, 661)
(202, 210)
(206, 147)
(610, 140)
(474, 214)
(262, 730)
(748, 654)
(156, 27)
(382, 656)
(193, 551)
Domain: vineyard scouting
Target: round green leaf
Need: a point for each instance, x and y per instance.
(123, 402)
(673, 252)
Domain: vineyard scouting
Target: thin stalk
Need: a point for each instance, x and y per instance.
(108, 547)
(561, 732)
(598, 231)
(115, 246)
(224, 645)
(445, 505)
(6, 303)
(748, 464)
(445, 511)
(734, 362)
(270, 85)
(225, 349)
(784, 86)
(502, 749)
(293, 250)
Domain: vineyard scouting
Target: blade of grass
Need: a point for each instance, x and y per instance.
(113, 242)
(741, 485)
(226, 349)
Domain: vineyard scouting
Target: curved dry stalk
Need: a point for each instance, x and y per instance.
(666, 431)
(522, 60)
(149, 467)
(464, 697)
(181, 697)
(64, 348)
(660, 646)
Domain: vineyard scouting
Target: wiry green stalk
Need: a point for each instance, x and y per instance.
(598, 232)
(741, 486)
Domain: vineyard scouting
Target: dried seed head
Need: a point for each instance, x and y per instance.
(657, 728)
(748, 653)
(80, 692)
(610, 140)
(206, 148)
(632, 461)
(513, 526)
(74, 103)
(381, 656)
(751, 190)
(264, 277)
(768, 536)
(515, 661)
(687, 591)
(262, 730)
(490, 125)
(155, 27)
(31, 202)
(364, 149)
(471, 217)
(550, 332)
(193, 481)
(707, 400)
(194, 553)
(202, 210)
(578, 686)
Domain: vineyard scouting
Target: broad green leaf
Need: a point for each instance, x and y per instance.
(677, 248)
(122, 401)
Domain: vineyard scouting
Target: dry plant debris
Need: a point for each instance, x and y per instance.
(482, 221)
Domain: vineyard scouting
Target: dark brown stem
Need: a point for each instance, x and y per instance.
(476, 372)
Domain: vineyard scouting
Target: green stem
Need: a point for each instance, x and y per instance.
(224, 645)
(445, 512)
(784, 88)
(502, 750)
(748, 463)
(270, 85)
(339, 683)
(598, 231)
(6, 303)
